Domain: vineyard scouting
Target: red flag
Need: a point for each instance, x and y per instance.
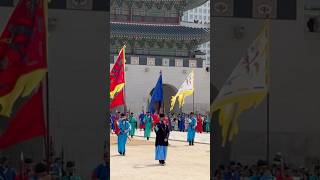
(27, 123)
(117, 81)
(23, 53)
(118, 100)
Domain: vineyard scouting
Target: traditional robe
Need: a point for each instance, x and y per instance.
(162, 135)
(199, 127)
(192, 129)
(116, 125)
(133, 123)
(207, 124)
(124, 127)
(148, 126)
(141, 119)
(112, 117)
(155, 118)
(181, 123)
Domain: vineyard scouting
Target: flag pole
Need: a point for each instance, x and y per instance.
(268, 129)
(47, 138)
(193, 101)
(124, 72)
(163, 107)
(268, 94)
(62, 162)
(21, 165)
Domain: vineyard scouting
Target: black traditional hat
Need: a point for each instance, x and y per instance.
(28, 161)
(40, 168)
(70, 164)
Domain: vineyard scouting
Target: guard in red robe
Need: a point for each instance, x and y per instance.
(116, 124)
(156, 119)
(199, 127)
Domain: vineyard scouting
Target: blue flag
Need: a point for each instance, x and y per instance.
(157, 95)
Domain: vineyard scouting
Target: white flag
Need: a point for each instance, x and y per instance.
(186, 89)
(246, 87)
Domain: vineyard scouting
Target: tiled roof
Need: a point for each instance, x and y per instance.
(158, 31)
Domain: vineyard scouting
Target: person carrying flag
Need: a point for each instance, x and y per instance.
(191, 129)
(124, 127)
(162, 136)
(133, 123)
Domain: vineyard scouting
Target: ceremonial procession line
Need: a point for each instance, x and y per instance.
(203, 138)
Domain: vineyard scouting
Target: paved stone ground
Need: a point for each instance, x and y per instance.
(183, 161)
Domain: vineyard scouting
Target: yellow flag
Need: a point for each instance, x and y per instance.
(246, 87)
(186, 89)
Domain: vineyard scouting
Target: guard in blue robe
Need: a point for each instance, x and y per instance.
(141, 121)
(124, 127)
(191, 129)
(181, 123)
(162, 136)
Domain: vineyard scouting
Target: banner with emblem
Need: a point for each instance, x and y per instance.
(246, 87)
(117, 81)
(223, 8)
(23, 52)
(264, 8)
(186, 89)
(23, 65)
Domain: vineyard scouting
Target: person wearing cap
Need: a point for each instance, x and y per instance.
(148, 125)
(133, 123)
(162, 135)
(191, 129)
(124, 127)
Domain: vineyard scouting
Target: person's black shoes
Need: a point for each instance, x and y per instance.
(189, 143)
(131, 136)
(162, 162)
(192, 142)
(148, 138)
